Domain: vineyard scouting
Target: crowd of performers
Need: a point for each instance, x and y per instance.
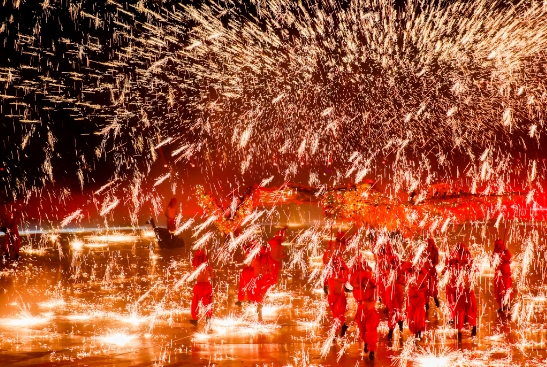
(385, 284)
(261, 269)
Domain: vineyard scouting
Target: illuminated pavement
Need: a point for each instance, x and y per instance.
(121, 302)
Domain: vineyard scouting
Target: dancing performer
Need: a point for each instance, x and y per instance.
(416, 297)
(382, 255)
(338, 276)
(277, 254)
(247, 281)
(432, 260)
(466, 303)
(503, 285)
(11, 236)
(334, 248)
(171, 214)
(262, 264)
(457, 258)
(203, 290)
(395, 292)
(367, 317)
(460, 295)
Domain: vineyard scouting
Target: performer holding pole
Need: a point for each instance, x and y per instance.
(367, 317)
(336, 247)
(432, 260)
(338, 276)
(171, 215)
(247, 283)
(459, 291)
(262, 265)
(203, 290)
(415, 302)
(503, 285)
(395, 291)
(277, 254)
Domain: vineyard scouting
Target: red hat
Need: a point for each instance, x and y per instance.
(499, 245)
(199, 258)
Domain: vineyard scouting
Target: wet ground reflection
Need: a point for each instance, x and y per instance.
(118, 299)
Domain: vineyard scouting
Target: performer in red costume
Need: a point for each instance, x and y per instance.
(383, 253)
(339, 274)
(395, 292)
(460, 295)
(277, 254)
(334, 248)
(432, 260)
(11, 236)
(171, 214)
(466, 302)
(203, 291)
(503, 285)
(415, 303)
(367, 317)
(262, 264)
(457, 259)
(247, 283)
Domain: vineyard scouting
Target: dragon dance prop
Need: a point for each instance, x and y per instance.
(363, 205)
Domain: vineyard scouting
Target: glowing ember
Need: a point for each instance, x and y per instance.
(119, 339)
(77, 245)
(26, 321)
(119, 238)
(148, 234)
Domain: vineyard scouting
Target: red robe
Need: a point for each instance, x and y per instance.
(337, 297)
(457, 263)
(203, 290)
(395, 290)
(277, 254)
(415, 302)
(503, 285)
(334, 248)
(247, 283)
(263, 275)
(366, 317)
(383, 270)
(466, 303)
(171, 215)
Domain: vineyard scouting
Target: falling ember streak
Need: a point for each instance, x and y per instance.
(104, 187)
(74, 216)
(108, 206)
(500, 216)
(159, 180)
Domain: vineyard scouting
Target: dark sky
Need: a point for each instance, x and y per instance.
(54, 100)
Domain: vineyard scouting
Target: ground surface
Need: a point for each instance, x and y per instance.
(124, 302)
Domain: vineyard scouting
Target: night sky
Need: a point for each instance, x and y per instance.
(227, 95)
